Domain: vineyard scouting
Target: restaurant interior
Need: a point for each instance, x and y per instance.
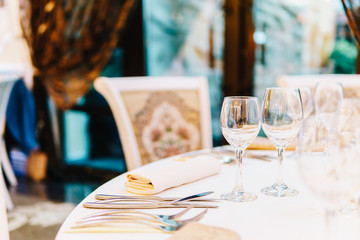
(63, 133)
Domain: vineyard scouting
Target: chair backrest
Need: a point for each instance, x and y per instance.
(5, 90)
(158, 116)
(5, 200)
(4, 229)
(6, 86)
(350, 82)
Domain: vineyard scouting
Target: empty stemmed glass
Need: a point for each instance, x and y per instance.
(240, 122)
(281, 121)
(348, 128)
(329, 166)
(306, 101)
(327, 98)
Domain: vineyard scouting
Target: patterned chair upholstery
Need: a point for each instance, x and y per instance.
(158, 117)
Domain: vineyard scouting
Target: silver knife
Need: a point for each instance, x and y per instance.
(188, 198)
(143, 205)
(195, 197)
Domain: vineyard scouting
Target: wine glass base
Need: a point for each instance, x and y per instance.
(239, 196)
(279, 190)
(349, 207)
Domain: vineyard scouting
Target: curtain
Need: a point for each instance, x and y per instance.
(352, 10)
(70, 42)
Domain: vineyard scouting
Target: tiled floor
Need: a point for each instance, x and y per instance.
(71, 184)
(34, 218)
(53, 198)
(57, 191)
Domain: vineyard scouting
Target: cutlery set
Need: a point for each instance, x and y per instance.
(122, 209)
(113, 218)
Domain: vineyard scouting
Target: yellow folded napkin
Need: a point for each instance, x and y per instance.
(197, 231)
(173, 173)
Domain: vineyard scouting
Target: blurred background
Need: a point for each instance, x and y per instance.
(241, 46)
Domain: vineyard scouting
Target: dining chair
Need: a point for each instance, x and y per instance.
(158, 117)
(5, 199)
(4, 229)
(5, 90)
(350, 82)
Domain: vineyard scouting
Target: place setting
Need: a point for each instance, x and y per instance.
(128, 213)
(134, 210)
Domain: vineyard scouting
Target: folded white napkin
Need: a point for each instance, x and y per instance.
(173, 173)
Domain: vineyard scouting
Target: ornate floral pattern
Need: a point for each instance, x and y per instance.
(166, 126)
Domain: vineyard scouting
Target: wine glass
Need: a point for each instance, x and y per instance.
(327, 97)
(240, 124)
(281, 120)
(306, 101)
(330, 169)
(348, 124)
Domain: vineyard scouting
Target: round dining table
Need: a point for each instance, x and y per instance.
(279, 218)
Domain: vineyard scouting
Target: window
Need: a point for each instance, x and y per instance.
(187, 38)
(300, 37)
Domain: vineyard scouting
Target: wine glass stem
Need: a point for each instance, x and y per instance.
(280, 177)
(328, 139)
(330, 224)
(239, 187)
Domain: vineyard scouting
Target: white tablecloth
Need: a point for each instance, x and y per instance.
(299, 217)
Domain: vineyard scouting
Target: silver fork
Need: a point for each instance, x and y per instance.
(166, 226)
(182, 223)
(135, 212)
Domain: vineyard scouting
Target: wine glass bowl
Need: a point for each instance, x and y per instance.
(349, 112)
(327, 98)
(240, 122)
(330, 169)
(307, 101)
(331, 174)
(281, 120)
